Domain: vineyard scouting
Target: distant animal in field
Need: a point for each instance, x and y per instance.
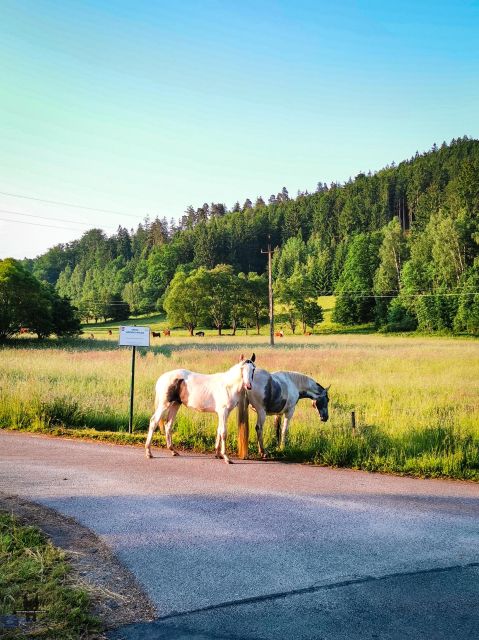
(23, 330)
(308, 333)
(166, 332)
(91, 336)
(216, 393)
(279, 334)
(156, 334)
(200, 333)
(110, 332)
(277, 394)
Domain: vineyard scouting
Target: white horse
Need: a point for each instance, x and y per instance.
(216, 393)
(277, 394)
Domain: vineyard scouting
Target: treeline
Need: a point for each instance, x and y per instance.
(398, 247)
(34, 306)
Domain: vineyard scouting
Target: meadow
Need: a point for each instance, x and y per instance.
(416, 398)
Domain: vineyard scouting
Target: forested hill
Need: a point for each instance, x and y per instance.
(408, 227)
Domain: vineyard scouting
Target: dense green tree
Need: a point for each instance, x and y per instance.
(312, 314)
(21, 298)
(393, 252)
(467, 316)
(25, 302)
(256, 302)
(133, 295)
(286, 259)
(355, 302)
(185, 301)
(319, 264)
(220, 284)
(296, 293)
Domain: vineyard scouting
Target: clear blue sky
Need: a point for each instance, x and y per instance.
(147, 107)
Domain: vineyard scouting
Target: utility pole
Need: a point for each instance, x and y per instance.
(270, 287)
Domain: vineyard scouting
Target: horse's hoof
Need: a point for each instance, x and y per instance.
(265, 455)
(175, 453)
(148, 455)
(227, 460)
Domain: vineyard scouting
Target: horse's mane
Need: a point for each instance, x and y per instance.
(301, 380)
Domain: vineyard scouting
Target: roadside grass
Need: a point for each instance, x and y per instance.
(36, 588)
(416, 399)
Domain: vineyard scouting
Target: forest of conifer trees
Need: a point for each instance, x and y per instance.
(398, 247)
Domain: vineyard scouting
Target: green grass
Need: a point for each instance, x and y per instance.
(416, 398)
(158, 322)
(35, 576)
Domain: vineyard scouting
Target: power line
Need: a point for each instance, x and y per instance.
(66, 204)
(38, 224)
(359, 294)
(31, 215)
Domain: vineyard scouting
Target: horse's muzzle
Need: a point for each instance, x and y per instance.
(248, 386)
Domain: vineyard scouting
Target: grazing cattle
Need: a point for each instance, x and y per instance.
(279, 334)
(216, 393)
(166, 332)
(277, 394)
(156, 334)
(200, 333)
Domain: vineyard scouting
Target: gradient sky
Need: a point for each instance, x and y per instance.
(146, 107)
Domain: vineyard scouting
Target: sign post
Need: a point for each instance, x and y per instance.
(133, 337)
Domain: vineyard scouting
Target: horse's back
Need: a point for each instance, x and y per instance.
(194, 390)
(269, 392)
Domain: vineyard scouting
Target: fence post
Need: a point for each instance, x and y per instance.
(243, 426)
(353, 421)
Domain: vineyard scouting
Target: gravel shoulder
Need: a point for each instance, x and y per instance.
(117, 597)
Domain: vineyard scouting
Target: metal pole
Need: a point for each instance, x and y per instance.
(270, 291)
(271, 302)
(132, 389)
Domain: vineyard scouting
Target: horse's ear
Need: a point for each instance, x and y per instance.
(253, 357)
(328, 388)
(241, 357)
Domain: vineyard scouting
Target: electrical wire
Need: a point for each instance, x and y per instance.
(32, 215)
(66, 204)
(38, 224)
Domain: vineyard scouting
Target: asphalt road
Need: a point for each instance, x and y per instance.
(267, 550)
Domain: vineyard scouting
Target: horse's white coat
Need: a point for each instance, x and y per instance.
(278, 394)
(213, 393)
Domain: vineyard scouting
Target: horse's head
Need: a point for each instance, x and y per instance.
(321, 404)
(247, 370)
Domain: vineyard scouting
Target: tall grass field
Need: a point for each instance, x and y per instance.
(416, 399)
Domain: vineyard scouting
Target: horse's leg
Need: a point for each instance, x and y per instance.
(259, 432)
(156, 418)
(218, 443)
(284, 428)
(172, 411)
(277, 429)
(221, 435)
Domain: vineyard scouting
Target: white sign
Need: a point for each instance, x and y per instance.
(134, 337)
